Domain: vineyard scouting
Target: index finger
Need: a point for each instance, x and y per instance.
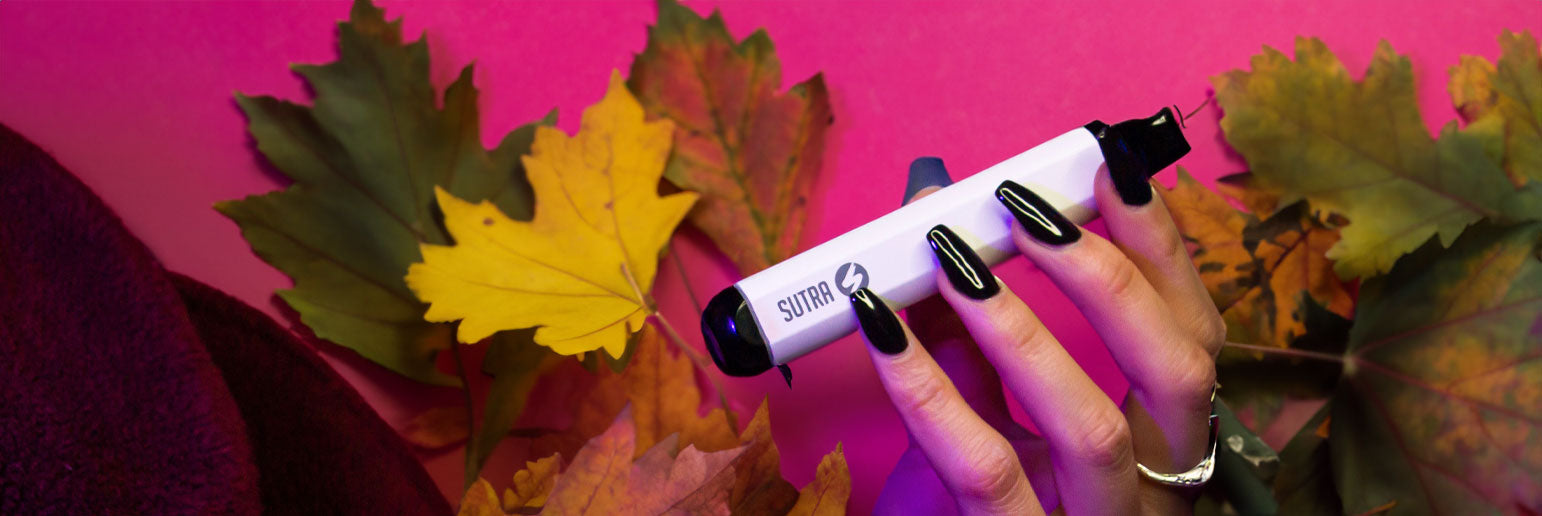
(977, 464)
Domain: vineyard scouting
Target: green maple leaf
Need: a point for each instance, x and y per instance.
(1438, 408)
(750, 152)
(365, 158)
(1360, 149)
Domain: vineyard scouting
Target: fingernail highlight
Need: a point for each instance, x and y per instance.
(924, 172)
(1041, 220)
(878, 322)
(965, 270)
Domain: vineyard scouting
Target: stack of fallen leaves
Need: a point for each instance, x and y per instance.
(1432, 371)
(403, 235)
(1391, 273)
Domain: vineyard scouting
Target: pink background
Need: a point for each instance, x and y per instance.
(135, 98)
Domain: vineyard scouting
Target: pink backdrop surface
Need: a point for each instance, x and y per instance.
(136, 98)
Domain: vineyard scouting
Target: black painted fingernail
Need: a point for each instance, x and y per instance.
(1132, 186)
(878, 322)
(965, 270)
(1041, 220)
(924, 172)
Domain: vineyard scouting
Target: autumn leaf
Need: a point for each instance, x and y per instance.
(752, 153)
(1270, 279)
(480, 500)
(827, 494)
(436, 428)
(582, 268)
(1437, 412)
(1291, 248)
(1360, 149)
(1259, 385)
(758, 484)
(603, 479)
(515, 363)
(1304, 484)
(532, 485)
(1212, 230)
(1259, 199)
(1509, 96)
(1256, 271)
(660, 387)
(365, 158)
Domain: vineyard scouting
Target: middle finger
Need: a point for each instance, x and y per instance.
(1088, 437)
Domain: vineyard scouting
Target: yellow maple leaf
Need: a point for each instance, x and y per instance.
(580, 270)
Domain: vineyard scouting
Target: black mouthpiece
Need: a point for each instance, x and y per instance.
(732, 337)
(1144, 145)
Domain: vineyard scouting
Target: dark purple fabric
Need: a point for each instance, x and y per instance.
(111, 403)
(320, 448)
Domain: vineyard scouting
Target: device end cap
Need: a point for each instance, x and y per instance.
(731, 335)
(1147, 145)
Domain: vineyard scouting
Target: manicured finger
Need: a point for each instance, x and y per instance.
(1170, 373)
(1149, 238)
(1087, 434)
(938, 328)
(976, 463)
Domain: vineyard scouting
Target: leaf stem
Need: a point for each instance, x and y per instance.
(1297, 353)
(471, 418)
(684, 278)
(701, 363)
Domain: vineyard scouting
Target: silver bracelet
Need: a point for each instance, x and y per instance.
(1198, 475)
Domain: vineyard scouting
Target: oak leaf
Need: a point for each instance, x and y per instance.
(1361, 150)
(1437, 411)
(365, 158)
(827, 494)
(581, 269)
(752, 153)
(1509, 96)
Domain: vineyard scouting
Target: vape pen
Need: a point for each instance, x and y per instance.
(800, 304)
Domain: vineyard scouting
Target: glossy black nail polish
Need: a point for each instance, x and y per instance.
(965, 270)
(878, 322)
(1039, 218)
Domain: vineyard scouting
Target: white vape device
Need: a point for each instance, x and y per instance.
(801, 304)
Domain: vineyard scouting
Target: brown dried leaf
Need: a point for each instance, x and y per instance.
(532, 485)
(831, 488)
(661, 387)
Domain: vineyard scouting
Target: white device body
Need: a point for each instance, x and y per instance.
(801, 304)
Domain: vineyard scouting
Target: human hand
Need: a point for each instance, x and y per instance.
(944, 372)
